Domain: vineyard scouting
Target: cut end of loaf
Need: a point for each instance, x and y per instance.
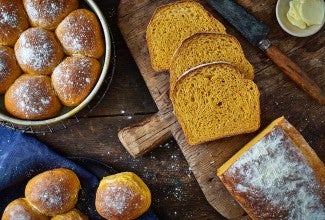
(213, 101)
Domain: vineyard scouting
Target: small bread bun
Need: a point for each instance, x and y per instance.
(74, 78)
(80, 33)
(48, 13)
(74, 214)
(32, 97)
(13, 21)
(9, 68)
(53, 192)
(20, 209)
(38, 51)
(122, 196)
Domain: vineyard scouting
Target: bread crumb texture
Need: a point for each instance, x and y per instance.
(206, 48)
(173, 23)
(213, 101)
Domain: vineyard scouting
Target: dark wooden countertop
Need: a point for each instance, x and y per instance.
(175, 192)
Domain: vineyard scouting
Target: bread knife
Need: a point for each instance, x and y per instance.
(256, 33)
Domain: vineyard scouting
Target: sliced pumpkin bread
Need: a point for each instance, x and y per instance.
(214, 101)
(173, 23)
(205, 48)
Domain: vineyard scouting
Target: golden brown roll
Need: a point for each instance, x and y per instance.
(32, 97)
(38, 51)
(122, 196)
(74, 214)
(53, 192)
(48, 13)
(80, 33)
(74, 78)
(20, 209)
(9, 68)
(13, 21)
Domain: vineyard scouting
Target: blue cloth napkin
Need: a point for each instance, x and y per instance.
(22, 157)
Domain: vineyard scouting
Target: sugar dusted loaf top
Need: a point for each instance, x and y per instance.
(173, 23)
(277, 175)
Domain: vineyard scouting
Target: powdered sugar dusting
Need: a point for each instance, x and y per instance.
(8, 15)
(18, 212)
(119, 198)
(80, 34)
(73, 76)
(275, 172)
(36, 49)
(32, 97)
(47, 9)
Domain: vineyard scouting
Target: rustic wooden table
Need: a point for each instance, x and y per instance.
(176, 194)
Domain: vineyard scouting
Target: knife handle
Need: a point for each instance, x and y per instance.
(295, 73)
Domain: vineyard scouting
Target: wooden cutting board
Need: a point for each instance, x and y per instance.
(279, 96)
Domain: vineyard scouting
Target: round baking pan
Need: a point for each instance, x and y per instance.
(69, 112)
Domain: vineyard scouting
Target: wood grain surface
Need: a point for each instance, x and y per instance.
(279, 95)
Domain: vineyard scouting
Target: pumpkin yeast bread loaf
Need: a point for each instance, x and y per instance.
(213, 101)
(277, 175)
(206, 48)
(173, 23)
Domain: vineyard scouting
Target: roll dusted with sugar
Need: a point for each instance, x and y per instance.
(38, 51)
(53, 192)
(48, 13)
(13, 21)
(80, 33)
(122, 196)
(74, 78)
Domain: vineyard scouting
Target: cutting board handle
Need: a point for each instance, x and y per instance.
(295, 73)
(143, 137)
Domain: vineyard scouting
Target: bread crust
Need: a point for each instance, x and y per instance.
(122, 196)
(32, 97)
(267, 209)
(49, 13)
(74, 214)
(21, 209)
(74, 78)
(80, 33)
(13, 21)
(9, 68)
(38, 51)
(53, 192)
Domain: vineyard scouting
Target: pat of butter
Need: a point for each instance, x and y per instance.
(303, 13)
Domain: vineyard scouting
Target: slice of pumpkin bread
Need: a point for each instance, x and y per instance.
(213, 101)
(173, 23)
(206, 48)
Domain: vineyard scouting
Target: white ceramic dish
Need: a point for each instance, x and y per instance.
(67, 112)
(281, 10)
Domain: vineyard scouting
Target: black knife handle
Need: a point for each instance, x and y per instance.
(292, 70)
